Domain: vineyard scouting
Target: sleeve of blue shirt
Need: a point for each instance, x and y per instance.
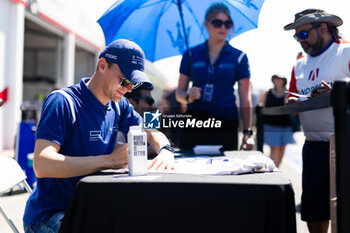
(56, 119)
(184, 65)
(243, 70)
(128, 116)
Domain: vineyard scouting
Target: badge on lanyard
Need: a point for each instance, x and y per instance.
(208, 92)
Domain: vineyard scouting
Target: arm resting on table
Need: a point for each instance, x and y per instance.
(49, 163)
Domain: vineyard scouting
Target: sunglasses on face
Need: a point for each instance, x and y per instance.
(305, 34)
(217, 23)
(124, 82)
(149, 100)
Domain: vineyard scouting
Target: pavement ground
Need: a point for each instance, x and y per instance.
(291, 167)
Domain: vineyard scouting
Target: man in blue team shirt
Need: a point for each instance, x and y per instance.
(77, 133)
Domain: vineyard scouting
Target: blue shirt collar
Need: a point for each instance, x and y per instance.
(324, 49)
(204, 47)
(89, 96)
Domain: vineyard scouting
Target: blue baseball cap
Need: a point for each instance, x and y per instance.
(130, 59)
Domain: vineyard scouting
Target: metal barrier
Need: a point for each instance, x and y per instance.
(339, 99)
(311, 104)
(341, 109)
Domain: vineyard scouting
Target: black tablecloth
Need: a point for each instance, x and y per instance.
(114, 202)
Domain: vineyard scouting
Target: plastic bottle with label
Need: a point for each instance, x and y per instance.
(137, 151)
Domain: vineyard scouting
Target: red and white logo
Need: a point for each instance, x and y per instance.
(313, 74)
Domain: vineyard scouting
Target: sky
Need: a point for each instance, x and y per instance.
(269, 48)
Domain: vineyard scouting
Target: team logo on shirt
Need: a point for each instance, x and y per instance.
(95, 135)
(313, 74)
(151, 120)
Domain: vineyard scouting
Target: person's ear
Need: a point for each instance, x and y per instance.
(206, 24)
(323, 27)
(102, 64)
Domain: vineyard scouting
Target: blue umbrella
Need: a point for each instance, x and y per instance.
(165, 28)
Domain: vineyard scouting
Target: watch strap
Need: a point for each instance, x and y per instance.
(167, 147)
(248, 131)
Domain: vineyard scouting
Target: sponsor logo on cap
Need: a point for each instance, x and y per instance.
(111, 56)
(137, 60)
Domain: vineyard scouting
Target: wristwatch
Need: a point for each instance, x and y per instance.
(248, 131)
(167, 147)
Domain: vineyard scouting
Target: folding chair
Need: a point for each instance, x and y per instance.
(11, 174)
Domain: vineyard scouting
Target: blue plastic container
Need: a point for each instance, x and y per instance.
(25, 149)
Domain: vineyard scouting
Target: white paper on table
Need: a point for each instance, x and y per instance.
(209, 166)
(223, 165)
(207, 149)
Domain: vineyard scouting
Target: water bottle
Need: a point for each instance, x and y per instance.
(137, 151)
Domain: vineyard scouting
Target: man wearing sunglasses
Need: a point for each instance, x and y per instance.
(141, 99)
(327, 59)
(77, 133)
